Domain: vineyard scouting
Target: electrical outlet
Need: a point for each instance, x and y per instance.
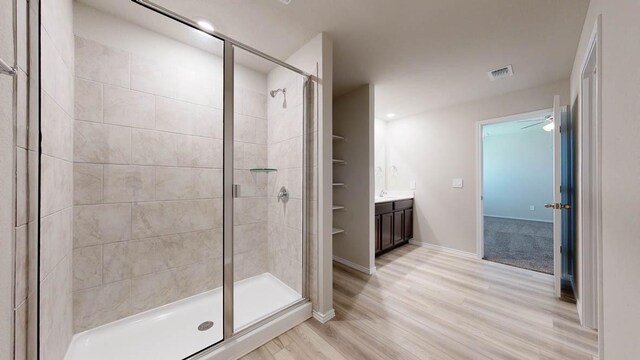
(456, 183)
(532, 208)
(412, 185)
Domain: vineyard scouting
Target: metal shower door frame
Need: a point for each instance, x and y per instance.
(228, 180)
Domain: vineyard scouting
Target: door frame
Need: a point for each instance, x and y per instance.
(479, 172)
(589, 180)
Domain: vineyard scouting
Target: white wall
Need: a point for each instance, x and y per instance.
(620, 313)
(434, 147)
(353, 118)
(518, 173)
(380, 155)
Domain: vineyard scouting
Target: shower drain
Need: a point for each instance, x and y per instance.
(205, 326)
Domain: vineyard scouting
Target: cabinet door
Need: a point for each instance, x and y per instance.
(398, 225)
(378, 233)
(408, 224)
(386, 240)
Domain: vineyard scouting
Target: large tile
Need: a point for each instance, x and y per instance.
(250, 210)
(87, 267)
(21, 283)
(154, 147)
(56, 311)
(87, 183)
(21, 332)
(57, 130)
(172, 217)
(56, 75)
(128, 259)
(248, 237)
(22, 187)
(100, 305)
(198, 151)
(255, 104)
(124, 183)
(186, 118)
(101, 224)
(249, 264)
(252, 184)
(129, 108)
(22, 118)
(201, 84)
(56, 185)
(155, 76)
(189, 248)
(244, 128)
(255, 156)
(88, 100)
(174, 183)
(98, 62)
(164, 287)
(101, 143)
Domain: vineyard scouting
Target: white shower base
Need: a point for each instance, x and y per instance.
(171, 331)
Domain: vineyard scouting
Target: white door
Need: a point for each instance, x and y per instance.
(557, 199)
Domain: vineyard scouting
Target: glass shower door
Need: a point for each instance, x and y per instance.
(268, 188)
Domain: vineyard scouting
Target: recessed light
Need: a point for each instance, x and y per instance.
(391, 115)
(286, 2)
(205, 25)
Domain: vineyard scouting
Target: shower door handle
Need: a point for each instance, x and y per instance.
(6, 69)
(236, 190)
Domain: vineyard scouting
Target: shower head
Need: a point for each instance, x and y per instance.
(276, 91)
(284, 92)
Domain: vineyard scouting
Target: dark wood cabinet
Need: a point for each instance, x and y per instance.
(408, 224)
(378, 233)
(398, 224)
(393, 224)
(386, 231)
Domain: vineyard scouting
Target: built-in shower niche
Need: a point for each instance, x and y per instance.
(148, 187)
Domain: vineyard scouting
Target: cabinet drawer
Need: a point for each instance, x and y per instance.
(403, 204)
(384, 208)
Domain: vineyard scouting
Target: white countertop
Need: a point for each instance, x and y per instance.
(394, 196)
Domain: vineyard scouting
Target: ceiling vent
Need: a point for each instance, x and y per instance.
(500, 73)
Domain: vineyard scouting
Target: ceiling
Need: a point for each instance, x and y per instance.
(419, 54)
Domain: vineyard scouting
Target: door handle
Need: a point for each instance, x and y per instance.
(557, 206)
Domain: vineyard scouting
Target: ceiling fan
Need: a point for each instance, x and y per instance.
(547, 121)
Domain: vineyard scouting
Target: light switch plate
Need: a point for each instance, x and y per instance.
(456, 183)
(532, 208)
(412, 185)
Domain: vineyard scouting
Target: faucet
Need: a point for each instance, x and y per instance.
(283, 195)
(383, 193)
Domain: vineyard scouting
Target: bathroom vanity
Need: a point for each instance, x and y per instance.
(393, 223)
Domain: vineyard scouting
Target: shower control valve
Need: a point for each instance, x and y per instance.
(283, 195)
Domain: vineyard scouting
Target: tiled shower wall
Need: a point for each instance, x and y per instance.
(148, 177)
(56, 204)
(285, 153)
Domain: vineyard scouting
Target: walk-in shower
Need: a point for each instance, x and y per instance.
(182, 234)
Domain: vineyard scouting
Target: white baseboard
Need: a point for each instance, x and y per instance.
(354, 265)
(579, 308)
(240, 346)
(323, 318)
(444, 249)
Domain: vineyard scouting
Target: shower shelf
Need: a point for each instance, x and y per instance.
(338, 207)
(339, 138)
(263, 170)
(339, 162)
(337, 231)
(339, 184)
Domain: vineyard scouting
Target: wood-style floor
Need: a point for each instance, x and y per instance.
(423, 304)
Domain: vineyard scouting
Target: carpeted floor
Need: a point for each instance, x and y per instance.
(522, 243)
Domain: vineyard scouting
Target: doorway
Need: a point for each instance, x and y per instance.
(516, 176)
